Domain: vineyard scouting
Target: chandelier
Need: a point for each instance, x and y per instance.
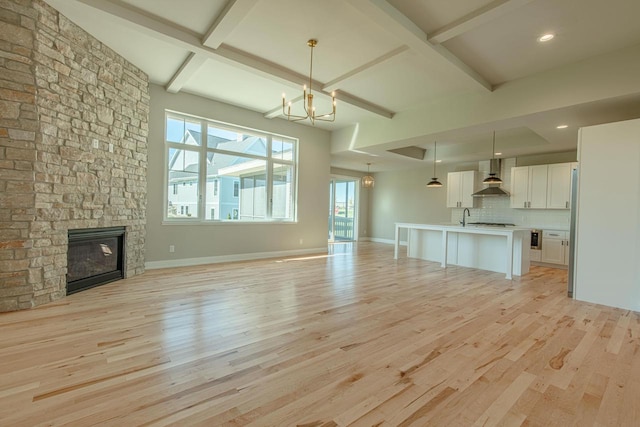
(368, 181)
(309, 108)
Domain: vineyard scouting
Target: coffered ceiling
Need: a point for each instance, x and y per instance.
(420, 70)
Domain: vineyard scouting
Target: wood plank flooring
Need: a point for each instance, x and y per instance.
(350, 339)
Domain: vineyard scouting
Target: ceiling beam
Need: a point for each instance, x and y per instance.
(334, 84)
(188, 40)
(475, 19)
(189, 67)
(271, 114)
(392, 20)
(361, 103)
(232, 14)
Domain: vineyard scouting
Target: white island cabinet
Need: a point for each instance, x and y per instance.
(501, 249)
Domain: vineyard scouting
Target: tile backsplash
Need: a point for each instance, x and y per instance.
(496, 209)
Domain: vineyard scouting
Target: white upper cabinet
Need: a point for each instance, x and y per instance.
(519, 187)
(559, 186)
(460, 187)
(529, 187)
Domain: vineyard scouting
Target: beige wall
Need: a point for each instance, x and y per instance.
(402, 196)
(544, 159)
(237, 240)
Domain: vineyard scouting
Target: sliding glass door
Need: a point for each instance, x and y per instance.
(343, 194)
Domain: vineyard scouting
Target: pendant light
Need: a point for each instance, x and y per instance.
(367, 180)
(492, 178)
(434, 183)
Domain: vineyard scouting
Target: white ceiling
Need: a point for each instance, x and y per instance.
(384, 58)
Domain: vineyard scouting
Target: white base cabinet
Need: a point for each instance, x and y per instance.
(535, 255)
(555, 247)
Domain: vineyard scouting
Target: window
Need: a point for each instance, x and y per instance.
(235, 173)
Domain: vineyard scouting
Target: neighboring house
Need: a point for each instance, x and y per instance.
(236, 185)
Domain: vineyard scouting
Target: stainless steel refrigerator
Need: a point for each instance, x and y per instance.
(572, 232)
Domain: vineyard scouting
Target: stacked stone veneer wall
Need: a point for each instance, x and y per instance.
(61, 92)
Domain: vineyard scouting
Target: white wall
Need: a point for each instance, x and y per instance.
(205, 242)
(608, 215)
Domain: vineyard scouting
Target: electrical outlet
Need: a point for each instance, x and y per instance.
(172, 248)
(111, 148)
(95, 143)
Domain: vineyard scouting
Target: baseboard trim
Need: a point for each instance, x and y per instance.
(546, 264)
(186, 262)
(386, 241)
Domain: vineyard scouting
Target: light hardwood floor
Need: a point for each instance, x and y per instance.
(354, 338)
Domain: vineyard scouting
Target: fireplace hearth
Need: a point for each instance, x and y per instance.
(95, 257)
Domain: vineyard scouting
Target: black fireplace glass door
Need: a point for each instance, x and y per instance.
(92, 258)
(95, 257)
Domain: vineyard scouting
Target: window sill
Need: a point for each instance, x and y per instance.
(227, 222)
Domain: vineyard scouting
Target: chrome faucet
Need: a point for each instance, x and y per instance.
(463, 222)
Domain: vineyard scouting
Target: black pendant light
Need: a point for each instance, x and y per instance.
(434, 183)
(492, 178)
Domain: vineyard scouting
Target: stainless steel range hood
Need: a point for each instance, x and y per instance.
(492, 190)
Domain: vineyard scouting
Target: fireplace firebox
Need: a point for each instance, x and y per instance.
(95, 257)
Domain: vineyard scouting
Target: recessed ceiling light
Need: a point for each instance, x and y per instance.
(562, 126)
(546, 37)
(498, 154)
(438, 161)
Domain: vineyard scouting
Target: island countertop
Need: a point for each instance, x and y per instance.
(515, 252)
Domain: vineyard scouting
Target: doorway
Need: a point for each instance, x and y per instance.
(343, 211)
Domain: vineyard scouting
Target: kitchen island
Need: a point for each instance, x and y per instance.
(500, 249)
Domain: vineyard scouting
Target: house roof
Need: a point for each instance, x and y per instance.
(215, 161)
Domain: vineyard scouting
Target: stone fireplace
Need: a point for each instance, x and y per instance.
(73, 150)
